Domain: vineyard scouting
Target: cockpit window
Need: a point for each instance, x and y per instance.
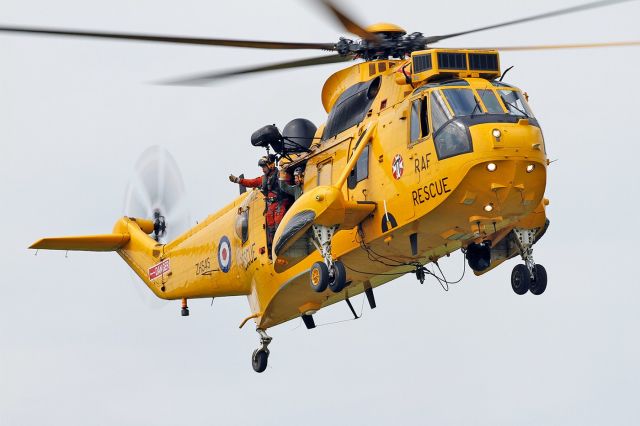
(462, 101)
(515, 103)
(498, 83)
(439, 112)
(489, 99)
(415, 120)
(450, 83)
(419, 124)
(440, 84)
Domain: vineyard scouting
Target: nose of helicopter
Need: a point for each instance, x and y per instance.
(508, 177)
(505, 188)
(500, 181)
(520, 138)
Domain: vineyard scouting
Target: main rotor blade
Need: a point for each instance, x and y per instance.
(202, 79)
(574, 9)
(564, 46)
(170, 39)
(347, 22)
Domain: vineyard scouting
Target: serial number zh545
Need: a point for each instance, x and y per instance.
(203, 267)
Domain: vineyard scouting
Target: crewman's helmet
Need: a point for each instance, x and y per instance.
(298, 171)
(263, 161)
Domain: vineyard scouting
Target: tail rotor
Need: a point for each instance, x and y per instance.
(156, 191)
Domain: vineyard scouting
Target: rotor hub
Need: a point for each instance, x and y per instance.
(390, 43)
(386, 28)
(159, 225)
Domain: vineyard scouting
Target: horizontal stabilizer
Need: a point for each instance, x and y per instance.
(105, 242)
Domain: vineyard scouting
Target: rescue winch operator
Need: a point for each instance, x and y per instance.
(276, 201)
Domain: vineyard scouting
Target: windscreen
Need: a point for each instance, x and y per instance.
(489, 99)
(515, 103)
(462, 101)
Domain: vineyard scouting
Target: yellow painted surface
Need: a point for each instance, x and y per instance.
(385, 27)
(441, 200)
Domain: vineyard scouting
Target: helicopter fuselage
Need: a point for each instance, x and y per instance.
(429, 200)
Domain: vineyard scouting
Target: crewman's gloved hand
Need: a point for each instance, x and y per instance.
(234, 179)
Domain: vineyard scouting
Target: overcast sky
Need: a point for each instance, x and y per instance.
(79, 344)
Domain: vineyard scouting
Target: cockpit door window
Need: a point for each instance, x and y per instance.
(424, 118)
(419, 120)
(415, 120)
(439, 112)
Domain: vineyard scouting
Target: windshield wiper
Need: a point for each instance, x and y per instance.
(515, 107)
(478, 103)
(475, 107)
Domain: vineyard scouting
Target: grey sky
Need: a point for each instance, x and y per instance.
(79, 346)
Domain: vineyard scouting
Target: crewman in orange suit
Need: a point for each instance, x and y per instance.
(275, 200)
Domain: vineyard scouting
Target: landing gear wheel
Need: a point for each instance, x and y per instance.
(520, 279)
(339, 281)
(319, 277)
(539, 284)
(259, 360)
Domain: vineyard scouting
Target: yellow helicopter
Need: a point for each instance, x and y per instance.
(425, 151)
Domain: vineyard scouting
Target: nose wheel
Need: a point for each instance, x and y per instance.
(528, 276)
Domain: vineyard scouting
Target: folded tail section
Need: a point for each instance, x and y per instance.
(129, 239)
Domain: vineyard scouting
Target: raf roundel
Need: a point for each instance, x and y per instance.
(397, 166)
(224, 254)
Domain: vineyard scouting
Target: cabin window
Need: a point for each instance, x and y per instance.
(462, 101)
(439, 112)
(515, 103)
(242, 225)
(490, 101)
(361, 171)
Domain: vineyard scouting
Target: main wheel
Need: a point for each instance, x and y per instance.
(259, 360)
(339, 277)
(539, 284)
(319, 277)
(520, 279)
